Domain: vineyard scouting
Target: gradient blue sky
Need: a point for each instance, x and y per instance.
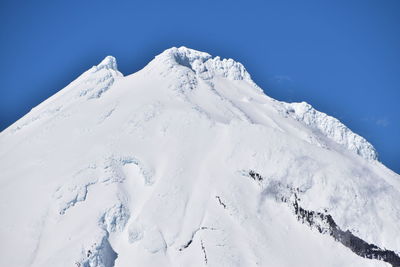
(341, 56)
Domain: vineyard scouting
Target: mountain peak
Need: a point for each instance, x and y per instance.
(184, 164)
(203, 64)
(184, 56)
(109, 62)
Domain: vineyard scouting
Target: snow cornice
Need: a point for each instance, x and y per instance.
(203, 64)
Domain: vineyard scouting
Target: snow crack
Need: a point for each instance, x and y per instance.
(203, 248)
(220, 201)
(193, 236)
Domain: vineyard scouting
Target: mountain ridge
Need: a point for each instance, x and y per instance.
(205, 66)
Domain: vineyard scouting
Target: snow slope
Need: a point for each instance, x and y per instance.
(187, 163)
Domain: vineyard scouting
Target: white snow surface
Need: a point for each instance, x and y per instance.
(148, 170)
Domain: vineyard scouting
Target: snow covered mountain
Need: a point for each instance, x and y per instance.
(188, 163)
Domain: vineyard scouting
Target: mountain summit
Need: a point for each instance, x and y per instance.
(188, 163)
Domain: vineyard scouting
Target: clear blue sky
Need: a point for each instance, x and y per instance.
(341, 56)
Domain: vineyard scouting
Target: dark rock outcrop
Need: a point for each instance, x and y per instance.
(325, 224)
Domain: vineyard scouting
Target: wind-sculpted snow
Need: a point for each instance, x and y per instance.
(90, 85)
(203, 65)
(113, 169)
(115, 218)
(99, 79)
(110, 171)
(331, 128)
(188, 163)
(69, 194)
(99, 253)
(48, 113)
